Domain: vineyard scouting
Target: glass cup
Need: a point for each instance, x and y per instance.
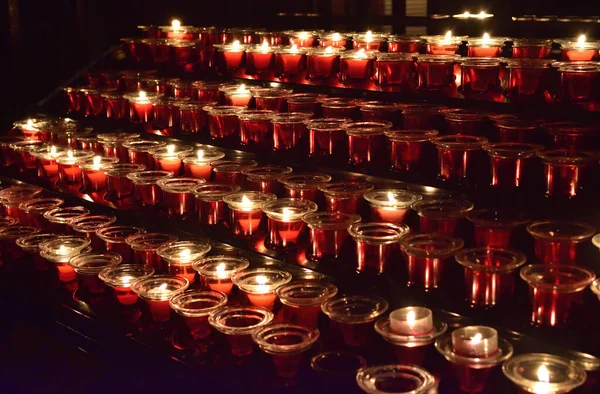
(157, 291)
(442, 215)
(390, 205)
(302, 301)
(238, 324)
(195, 306)
(88, 265)
(145, 245)
(114, 239)
(405, 379)
(328, 234)
(285, 221)
(496, 228)
(120, 278)
(180, 255)
(376, 243)
(145, 187)
(259, 285)
(559, 241)
(217, 271)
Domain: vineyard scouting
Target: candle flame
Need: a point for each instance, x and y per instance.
(62, 250)
(369, 36)
(176, 24)
(142, 95)
(336, 36)
(29, 124)
(242, 89)
(448, 35)
(294, 49)
(287, 214)
(391, 197)
(303, 35)
(482, 14)
(200, 155)
(329, 50)
(185, 253)
(171, 149)
(70, 154)
(264, 46)
(261, 280)
(581, 41)
(246, 203)
(543, 374)
(162, 287)
(221, 271)
(52, 150)
(235, 45)
(411, 319)
(486, 38)
(97, 160)
(476, 338)
(360, 54)
(466, 14)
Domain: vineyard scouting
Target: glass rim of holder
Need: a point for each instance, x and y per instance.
(543, 276)
(202, 155)
(445, 346)
(397, 56)
(40, 204)
(529, 42)
(211, 192)
(568, 157)
(117, 137)
(359, 54)
(445, 245)
(92, 263)
(179, 184)
(174, 284)
(73, 156)
(147, 98)
(512, 150)
(231, 47)
(170, 150)
(491, 42)
(92, 163)
(411, 135)
(260, 48)
(220, 266)
(268, 172)
(6, 221)
(235, 165)
(346, 189)
(301, 293)
(48, 152)
(459, 142)
(334, 36)
(561, 230)
(405, 38)
(515, 370)
(25, 145)
(497, 218)
(191, 251)
(125, 169)
(16, 231)
(480, 62)
(290, 117)
(366, 128)
(392, 198)
(325, 124)
(143, 145)
(383, 326)
(19, 193)
(340, 309)
(367, 377)
(378, 105)
(255, 114)
(32, 242)
(210, 300)
(324, 51)
(306, 180)
(273, 278)
(123, 275)
(262, 92)
(50, 250)
(257, 200)
(438, 58)
(570, 44)
(378, 233)
(474, 259)
(369, 36)
(218, 319)
(520, 62)
(442, 208)
(288, 209)
(442, 39)
(321, 363)
(63, 215)
(331, 220)
(464, 114)
(222, 110)
(143, 242)
(113, 234)
(570, 128)
(581, 66)
(339, 104)
(148, 177)
(596, 240)
(266, 338)
(289, 49)
(90, 223)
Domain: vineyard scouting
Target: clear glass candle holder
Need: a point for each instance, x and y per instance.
(12, 196)
(559, 241)
(380, 111)
(120, 278)
(265, 178)
(579, 84)
(113, 144)
(145, 245)
(485, 47)
(531, 48)
(376, 243)
(390, 205)
(236, 95)
(88, 225)
(260, 59)
(302, 301)
(514, 128)
(573, 136)
(118, 184)
(511, 162)
(34, 209)
(180, 255)
(456, 154)
(436, 73)
(354, 316)
(328, 234)
(46, 156)
(308, 103)
(480, 79)
(211, 208)
(223, 121)
(408, 148)
(442, 44)
(529, 80)
(489, 274)
(357, 67)
(285, 220)
(568, 173)
(60, 250)
(59, 218)
(427, 256)
(369, 41)
(496, 228)
(337, 108)
(578, 51)
(345, 197)
(305, 185)
(366, 140)
(442, 215)
(93, 172)
(195, 306)
(238, 324)
(88, 265)
(474, 351)
(246, 211)
(259, 285)
(290, 62)
(325, 136)
(230, 171)
(178, 196)
(197, 164)
(145, 187)
(271, 99)
(217, 271)
(114, 238)
(8, 237)
(289, 130)
(23, 153)
(465, 121)
(335, 40)
(167, 158)
(322, 64)
(157, 291)
(69, 172)
(554, 291)
(404, 379)
(138, 151)
(256, 128)
(285, 343)
(397, 70)
(544, 373)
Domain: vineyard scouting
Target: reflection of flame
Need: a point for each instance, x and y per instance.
(543, 374)
(581, 41)
(476, 339)
(235, 45)
(411, 319)
(200, 155)
(360, 54)
(482, 15)
(171, 149)
(221, 271)
(391, 197)
(176, 24)
(328, 50)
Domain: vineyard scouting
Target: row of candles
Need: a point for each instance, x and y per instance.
(473, 350)
(461, 155)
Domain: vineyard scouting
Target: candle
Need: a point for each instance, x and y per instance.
(118, 184)
(169, 160)
(60, 250)
(141, 106)
(285, 220)
(456, 155)
(256, 128)
(238, 323)
(369, 41)
(223, 121)
(335, 40)
(559, 241)
(303, 39)
(94, 176)
(302, 301)
(325, 136)
(410, 150)
(237, 95)
(475, 341)
(231, 56)
(529, 80)
(121, 277)
(180, 255)
(46, 159)
(397, 70)
(68, 170)
(290, 61)
(404, 44)
(289, 131)
(197, 164)
(486, 46)
(9, 235)
(436, 73)
(195, 306)
(356, 66)
(88, 265)
(156, 291)
(217, 271)
(211, 208)
(531, 48)
(580, 50)
(328, 234)
(494, 227)
(259, 58)
(138, 151)
(365, 141)
(178, 195)
(246, 211)
(443, 45)
(259, 285)
(579, 83)
(322, 64)
(390, 205)
(376, 243)
(305, 186)
(145, 245)
(265, 178)
(273, 99)
(345, 197)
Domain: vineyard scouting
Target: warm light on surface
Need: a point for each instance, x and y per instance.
(200, 155)
(287, 214)
(485, 39)
(29, 124)
(176, 24)
(303, 35)
(336, 37)
(264, 46)
(70, 154)
(294, 49)
(162, 287)
(171, 149)
(242, 90)
(185, 254)
(142, 96)
(447, 37)
(262, 287)
(369, 36)
(360, 54)
(52, 150)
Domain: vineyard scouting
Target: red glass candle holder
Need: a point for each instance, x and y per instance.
(290, 61)
(273, 38)
(489, 274)
(207, 91)
(121, 277)
(380, 111)
(443, 45)
(116, 106)
(303, 39)
(325, 135)
(285, 221)
(554, 290)
(302, 301)
(335, 40)
(197, 164)
(180, 255)
(34, 209)
(156, 291)
(356, 66)
(60, 250)
(480, 79)
(72, 139)
(322, 64)
(237, 95)
(256, 128)
(138, 151)
(485, 47)
(354, 316)
(513, 128)
(11, 251)
(259, 285)
(216, 271)
(210, 206)
(397, 70)
(167, 157)
(94, 172)
(246, 211)
(69, 172)
(456, 153)
(230, 171)
(404, 43)
(558, 241)
(474, 351)
(31, 246)
(59, 218)
(232, 56)
(260, 59)
(579, 83)
(408, 148)
(285, 343)
(223, 121)
(328, 234)
(193, 119)
(92, 101)
(23, 153)
(115, 237)
(390, 205)
(376, 243)
(419, 116)
(88, 265)
(308, 103)
(495, 228)
(289, 130)
(145, 187)
(541, 372)
(145, 245)
(88, 225)
(167, 114)
(47, 168)
(271, 99)
(511, 163)
(366, 140)
(369, 41)
(118, 185)
(265, 178)
(442, 215)
(195, 306)
(404, 378)
(181, 89)
(436, 73)
(340, 109)
(140, 106)
(427, 255)
(178, 196)
(12, 196)
(567, 173)
(529, 80)
(238, 324)
(572, 136)
(305, 186)
(531, 48)
(345, 197)
(465, 122)
(579, 51)
(159, 50)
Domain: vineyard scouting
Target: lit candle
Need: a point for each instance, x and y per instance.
(475, 341)
(357, 65)
(48, 162)
(198, 165)
(94, 174)
(141, 106)
(485, 46)
(262, 296)
(169, 161)
(580, 50)
(415, 321)
(240, 96)
(259, 58)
